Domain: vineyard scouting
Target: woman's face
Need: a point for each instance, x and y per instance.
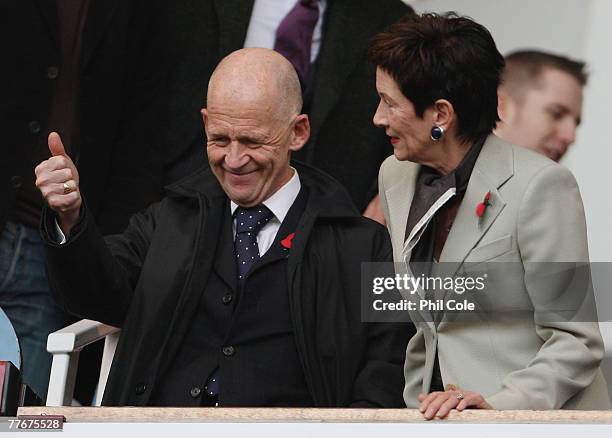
(409, 134)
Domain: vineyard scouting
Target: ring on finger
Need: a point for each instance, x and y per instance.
(460, 396)
(67, 188)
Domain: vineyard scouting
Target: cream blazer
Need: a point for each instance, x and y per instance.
(536, 215)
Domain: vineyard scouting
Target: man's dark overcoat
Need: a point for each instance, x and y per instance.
(149, 279)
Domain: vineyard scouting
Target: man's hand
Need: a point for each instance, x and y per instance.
(58, 180)
(439, 404)
(374, 211)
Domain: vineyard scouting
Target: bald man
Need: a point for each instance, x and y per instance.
(540, 101)
(241, 287)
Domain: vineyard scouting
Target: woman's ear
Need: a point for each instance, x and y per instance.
(444, 114)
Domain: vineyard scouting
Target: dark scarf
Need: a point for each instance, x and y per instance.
(429, 188)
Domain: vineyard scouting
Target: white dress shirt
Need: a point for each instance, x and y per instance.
(267, 16)
(279, 204)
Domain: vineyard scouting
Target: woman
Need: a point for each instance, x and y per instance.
(453, 192)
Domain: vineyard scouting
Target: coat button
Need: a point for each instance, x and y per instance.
(141, 388)
(34, 126)
(52, 72)
(195, 392)
(227, 298)
(16, 181)
(228, 350)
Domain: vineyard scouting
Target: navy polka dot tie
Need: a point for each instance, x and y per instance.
(248, 223)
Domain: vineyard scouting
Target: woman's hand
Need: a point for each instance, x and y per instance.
(439, 404)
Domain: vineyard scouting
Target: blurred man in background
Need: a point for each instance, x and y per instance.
(540, 101)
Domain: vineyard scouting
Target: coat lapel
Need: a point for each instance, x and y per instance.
(234, 17)
(209, 228)
(225, 258)
(99, 14)
(493, 168)
(345, 31)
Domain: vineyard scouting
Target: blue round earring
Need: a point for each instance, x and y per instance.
(436, 133)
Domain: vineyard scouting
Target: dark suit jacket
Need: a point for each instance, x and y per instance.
(119, 80)
(343, 142)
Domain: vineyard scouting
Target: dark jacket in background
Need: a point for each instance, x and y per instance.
(119, 79)
(125, 55)
(344, 142)
(149, 280)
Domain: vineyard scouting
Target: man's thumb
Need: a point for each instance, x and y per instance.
(55, 145)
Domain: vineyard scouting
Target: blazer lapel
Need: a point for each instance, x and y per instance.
(99, 14)
(399, 198)
(344, 38)
(275, 253)
(494, 166)
(289, 225)
(234, 17)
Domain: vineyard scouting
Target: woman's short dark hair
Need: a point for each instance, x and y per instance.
(449, 57)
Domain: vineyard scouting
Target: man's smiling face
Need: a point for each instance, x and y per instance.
(248, 149)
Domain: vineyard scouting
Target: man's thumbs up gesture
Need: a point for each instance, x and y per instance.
(58, 180)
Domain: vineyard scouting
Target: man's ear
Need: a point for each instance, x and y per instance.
(506, 106)
(204, 113)
(300, 132)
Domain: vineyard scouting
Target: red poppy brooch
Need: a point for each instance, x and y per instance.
(481, 208)
(287, 242)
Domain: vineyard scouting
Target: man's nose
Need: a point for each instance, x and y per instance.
(235, 157)
(567, 132)
(380, 118)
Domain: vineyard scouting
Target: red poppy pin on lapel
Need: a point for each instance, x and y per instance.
(287, 242)
(481, 208)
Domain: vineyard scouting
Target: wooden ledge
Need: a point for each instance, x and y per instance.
(292, 415)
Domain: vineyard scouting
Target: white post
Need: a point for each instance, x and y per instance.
(62, 379)
(110, 345)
